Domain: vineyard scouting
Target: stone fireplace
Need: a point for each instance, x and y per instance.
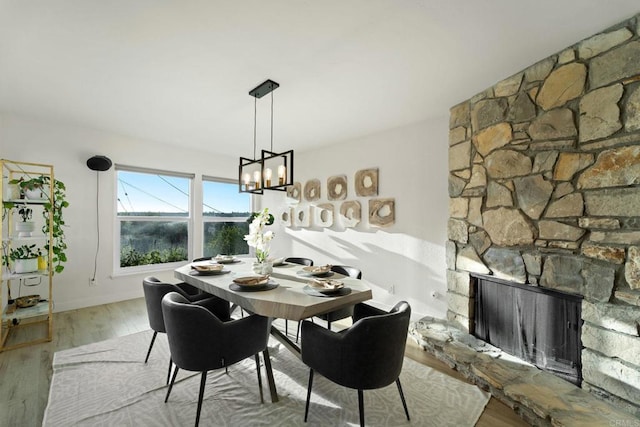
(544, 189)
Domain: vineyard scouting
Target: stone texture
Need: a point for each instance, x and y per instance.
(616, 237)
(475, 211)
(464, 174)
(562, 273)
(599, 113)
(619, 318)
(628, 296)
(611, 375)
(613, 202)
(571, 205)
(460, 156)
(508, 86)
(563, 84)
(522, 109)
(602, 42)
(507, 164)
(459, 282)
(478, 177)
(599, 223)
(468, 260)
(612, 254)
(554, 124)
(569, 164)
(533, 262)
(460, 304)
(493, 137)
(456, 185)
(598, 281)
(457, 231)
(533, 194)
(508, 227)
(457, 135)
(562, 189)
(540, 70)
(458, 207)
(553, 230)
(632, 108)
(618, 167)
(450, 254)
(563, 144)
(459, 115)
(609, 142)
(563, 244)
(506, 264)
(612, 344)
(616, 64)
(544, 161)
(480, 241)
(488, 112)
(566, 55)
(632, 267)
(498, 195)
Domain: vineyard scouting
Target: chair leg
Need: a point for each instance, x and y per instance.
(203, 381)
(286, 327)
(257, 355)
(153, 339)
(404, 403)
(306, 408)
(173, 378)
(328, 324)
(298, 330)
(169, 371)
(361, 407)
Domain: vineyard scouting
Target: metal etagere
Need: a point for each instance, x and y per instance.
(32, 324)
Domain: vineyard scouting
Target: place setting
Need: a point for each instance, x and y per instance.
(318, 287)
(208, 268)
(316, 271)
(253, 283)
(226, 259)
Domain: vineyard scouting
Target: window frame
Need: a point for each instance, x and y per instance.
(188, 219)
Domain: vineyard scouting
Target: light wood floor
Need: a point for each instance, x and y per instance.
(25, 373)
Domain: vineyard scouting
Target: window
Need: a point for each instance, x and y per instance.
(153, 218)
(224, 215)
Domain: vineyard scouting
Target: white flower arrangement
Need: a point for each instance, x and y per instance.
(259, 238)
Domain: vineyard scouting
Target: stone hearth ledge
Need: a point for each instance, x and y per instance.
(540, 398)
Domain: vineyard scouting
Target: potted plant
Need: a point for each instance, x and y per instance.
(23, 258)
(51, 207)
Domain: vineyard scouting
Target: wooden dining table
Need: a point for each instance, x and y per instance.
(291, 299)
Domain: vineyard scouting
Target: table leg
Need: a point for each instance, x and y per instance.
(270, 379)
(284, 340)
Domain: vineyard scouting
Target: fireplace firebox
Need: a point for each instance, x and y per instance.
(538, 325)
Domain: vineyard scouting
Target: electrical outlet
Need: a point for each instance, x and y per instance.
(392, 289)
(92, 282)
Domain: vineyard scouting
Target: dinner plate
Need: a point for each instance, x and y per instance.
(227, 261)
(251, 281)
(195, 272)
(307, 274)
(264, 287)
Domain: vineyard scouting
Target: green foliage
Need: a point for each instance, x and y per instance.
(226, 238)
(130, 257)
(20, 252)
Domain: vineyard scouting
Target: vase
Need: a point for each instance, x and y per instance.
(25, 228)
(28, 265)
(263, 267)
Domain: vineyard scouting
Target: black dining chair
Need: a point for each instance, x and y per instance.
(368, 355)
(344, 312)
(200, 341)
(155, 290)
(307, 262)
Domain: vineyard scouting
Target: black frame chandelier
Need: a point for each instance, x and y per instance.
(272, 171)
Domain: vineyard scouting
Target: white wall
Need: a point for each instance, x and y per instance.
(409, 255)
(412, 164)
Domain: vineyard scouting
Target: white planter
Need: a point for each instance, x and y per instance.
(37, 193)
(25, 265)
(25, 228)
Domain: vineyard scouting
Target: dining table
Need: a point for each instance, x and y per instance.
(288, 295)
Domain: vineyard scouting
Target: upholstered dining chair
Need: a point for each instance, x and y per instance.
(200, 341)
(344, 312)
(155, 290)
(368, 355)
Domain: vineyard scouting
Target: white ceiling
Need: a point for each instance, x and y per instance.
(179, 71)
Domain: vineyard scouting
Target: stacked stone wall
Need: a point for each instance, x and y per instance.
(544, 187)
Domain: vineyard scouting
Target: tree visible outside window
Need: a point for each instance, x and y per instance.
(224, 215)
(153, 217)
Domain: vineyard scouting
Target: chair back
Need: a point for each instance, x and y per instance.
(154, 291)
(301, 261)
(347, 271)
(200, 341)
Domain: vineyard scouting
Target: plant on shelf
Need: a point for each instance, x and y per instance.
(23, 258)
(55, 207)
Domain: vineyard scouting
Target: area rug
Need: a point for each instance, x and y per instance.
(107, 384)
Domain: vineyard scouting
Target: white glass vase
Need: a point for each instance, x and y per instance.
(264, 267)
